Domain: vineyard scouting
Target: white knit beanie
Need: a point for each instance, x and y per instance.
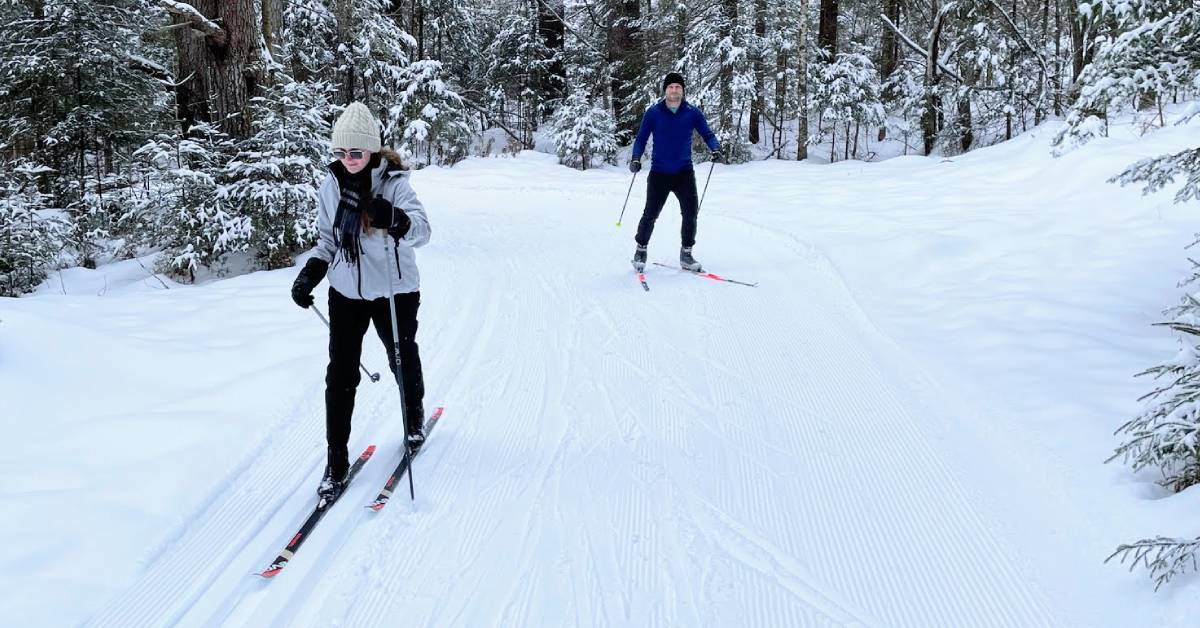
(356, 128)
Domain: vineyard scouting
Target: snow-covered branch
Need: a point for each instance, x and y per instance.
(191, 15)
(918, 49)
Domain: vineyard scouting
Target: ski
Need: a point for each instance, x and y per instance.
(381, 500)
(708, 275)
(642, 278)
(305, 530)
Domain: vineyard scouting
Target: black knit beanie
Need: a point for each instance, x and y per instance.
(673, 77)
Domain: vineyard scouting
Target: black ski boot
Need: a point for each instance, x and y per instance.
(639, 259)
(331, 488)
(688, 262)
(414, 418)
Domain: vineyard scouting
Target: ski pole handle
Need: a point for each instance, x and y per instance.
(623, 205)
(374, 377)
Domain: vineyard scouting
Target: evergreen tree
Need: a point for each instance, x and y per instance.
(584, 132)
(1134, 66)
(31, 233)
(435, 127)
(1134, 63)
(848, 99)
(197, 227)
(518, 62)
(80, 86)
(272, 181)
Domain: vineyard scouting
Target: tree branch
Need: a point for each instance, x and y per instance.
(918, 49)
(192, 16)
(493, 119)
(1017, 33)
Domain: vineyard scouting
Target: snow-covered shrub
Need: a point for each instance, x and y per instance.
(584, 132)
(31, 234)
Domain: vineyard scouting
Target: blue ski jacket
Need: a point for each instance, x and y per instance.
(672, 136)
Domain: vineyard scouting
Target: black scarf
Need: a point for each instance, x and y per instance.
(348, 221)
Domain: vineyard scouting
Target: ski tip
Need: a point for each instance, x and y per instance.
(270, 572)
(377, 506)
(437, 413)
(367, 454)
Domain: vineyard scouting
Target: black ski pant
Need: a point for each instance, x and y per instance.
(348, 321)
(658, 186)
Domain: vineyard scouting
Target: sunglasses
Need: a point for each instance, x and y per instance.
(352, 154)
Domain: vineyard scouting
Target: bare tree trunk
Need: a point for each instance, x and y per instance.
(1057, 58)
(760, 98)
(781, 66)
(802, 70)
(889, 53)
(970, 75)
(889, 45)
(929, 118)
(222, 64)
(827, 32)
(729, 11)
(419, 28)
(625, 59)
(348, 83)
(272, 24)
(552, 32)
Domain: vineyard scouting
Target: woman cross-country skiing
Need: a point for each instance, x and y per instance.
(369, 223)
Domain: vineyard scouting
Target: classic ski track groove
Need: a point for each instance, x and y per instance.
(710, 484)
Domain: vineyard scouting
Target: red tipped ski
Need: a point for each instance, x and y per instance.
(306, 529)
(642, 278)
(381, 500)
(712, 276)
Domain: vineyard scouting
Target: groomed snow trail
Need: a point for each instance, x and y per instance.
(702, 454)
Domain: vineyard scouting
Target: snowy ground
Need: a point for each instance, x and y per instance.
(903, 425)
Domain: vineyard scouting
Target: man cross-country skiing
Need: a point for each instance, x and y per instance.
(671, 122)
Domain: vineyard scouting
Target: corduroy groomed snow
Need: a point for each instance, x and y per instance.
(673, 77)
(356, 128)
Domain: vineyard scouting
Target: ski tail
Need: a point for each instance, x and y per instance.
(310, 524)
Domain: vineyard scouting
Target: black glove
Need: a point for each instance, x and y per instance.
(635, 166)
(311, 275)
(381, 213)
(401, 226)
(716, 155)
(384, 216)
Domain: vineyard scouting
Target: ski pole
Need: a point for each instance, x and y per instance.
(626, 200)
(706, 180)
(373, 376)
(396, 355)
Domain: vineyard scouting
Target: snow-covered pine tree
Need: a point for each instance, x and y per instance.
(423, 117)
(906, 87)
(435, 127)
(197, 228)
(1133, 64)
(781, 54)
(1129, 68)
(847, 95)
(308, 50)
(584, 132)
(82, 88)
(32, 235)
(717, 64)
(273, 179)
(517, 64)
